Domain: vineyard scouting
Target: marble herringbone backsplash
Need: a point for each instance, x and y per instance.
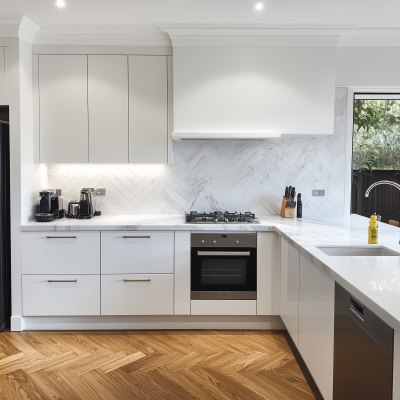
(245, 175)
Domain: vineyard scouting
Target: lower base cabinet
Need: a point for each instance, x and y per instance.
(137, 294)
(316, 324)
(60, 295)
(290, 285)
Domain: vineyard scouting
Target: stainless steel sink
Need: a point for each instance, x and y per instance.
(351, 251)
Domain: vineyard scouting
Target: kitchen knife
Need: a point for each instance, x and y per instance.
(293, 196)
(290, 204)
(286, 192)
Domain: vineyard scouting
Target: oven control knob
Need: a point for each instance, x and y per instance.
(214, 241)
(237, 242)
(202, 241)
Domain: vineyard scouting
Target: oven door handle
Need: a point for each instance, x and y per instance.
(223, 253)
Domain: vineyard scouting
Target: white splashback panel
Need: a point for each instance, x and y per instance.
(247, 175)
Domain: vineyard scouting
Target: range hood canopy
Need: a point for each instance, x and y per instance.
(224, 135)
(253, 82)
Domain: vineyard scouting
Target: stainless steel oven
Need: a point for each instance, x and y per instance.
(223, 266)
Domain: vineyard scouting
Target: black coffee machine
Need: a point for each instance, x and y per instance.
(45, 201)
(48, 206)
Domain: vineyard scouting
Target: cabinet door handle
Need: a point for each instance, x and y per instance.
(223, 253)
(136, 237)
(74, 280)
(137, 280)
(61, 237)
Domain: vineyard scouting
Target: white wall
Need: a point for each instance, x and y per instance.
(33, 176)
(25, 177)
(368, 66)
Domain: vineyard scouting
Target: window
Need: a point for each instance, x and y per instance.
(376, 155)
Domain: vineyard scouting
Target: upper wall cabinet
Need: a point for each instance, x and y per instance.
(148, 109)
(108, 108)
(63, 116)
(101, 108)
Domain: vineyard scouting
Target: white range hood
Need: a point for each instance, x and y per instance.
(253, 82)
(223, 135)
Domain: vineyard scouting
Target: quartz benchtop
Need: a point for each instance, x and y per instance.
(375, 281)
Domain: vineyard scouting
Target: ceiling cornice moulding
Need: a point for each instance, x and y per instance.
(18, 26)
(279, 35)
(255, 35)
(145, 35)
(371, 37)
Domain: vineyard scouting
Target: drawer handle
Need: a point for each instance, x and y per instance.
(136, 237)
(61, 237)
(74, 280)
(137, 280)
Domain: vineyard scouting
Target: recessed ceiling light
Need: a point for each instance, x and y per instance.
(60, 3)
(259, 6)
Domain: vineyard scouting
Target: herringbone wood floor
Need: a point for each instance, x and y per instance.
(149, 365)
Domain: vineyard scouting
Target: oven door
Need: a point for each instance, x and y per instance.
(223, 273)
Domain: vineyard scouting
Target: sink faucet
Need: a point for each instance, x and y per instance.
(396, 185)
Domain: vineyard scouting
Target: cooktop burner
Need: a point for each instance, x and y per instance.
(219, 217)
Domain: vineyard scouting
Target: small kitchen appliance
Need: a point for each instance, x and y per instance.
(48, 206)
(223, 266)
(219, 217)
(87, 203)
(45, 201)
(73, 209)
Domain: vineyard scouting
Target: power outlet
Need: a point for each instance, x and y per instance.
(318, 192)
(101, 192)
(58, 192)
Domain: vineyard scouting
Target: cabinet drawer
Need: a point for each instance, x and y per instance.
(223, 307)
(44, 298)
(61, 252)
(137, 252)
(136, 294)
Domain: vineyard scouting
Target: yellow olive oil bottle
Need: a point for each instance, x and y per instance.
(373, 230)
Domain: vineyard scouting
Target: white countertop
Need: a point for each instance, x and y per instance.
(373, 280)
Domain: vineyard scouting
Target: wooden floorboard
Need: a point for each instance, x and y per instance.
(159, 365)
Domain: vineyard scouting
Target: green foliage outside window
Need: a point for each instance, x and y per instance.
(376, 135)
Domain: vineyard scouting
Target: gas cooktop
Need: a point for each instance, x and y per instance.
(219, 217)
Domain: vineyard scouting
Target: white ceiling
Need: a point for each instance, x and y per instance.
(363, 13)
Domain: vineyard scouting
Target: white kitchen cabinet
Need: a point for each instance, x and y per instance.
(108, 108)
(224, 307)
(137, 294)
(2, 77)
(65, 295)
(63, 109)
(137, 252)
(182, 274)
(148, 109)
(290, 285)
(268, 273)
(60, 252)
(316, 324)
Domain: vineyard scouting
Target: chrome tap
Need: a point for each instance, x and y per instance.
(396, 185)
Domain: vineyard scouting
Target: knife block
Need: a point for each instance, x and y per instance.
(286, 212)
